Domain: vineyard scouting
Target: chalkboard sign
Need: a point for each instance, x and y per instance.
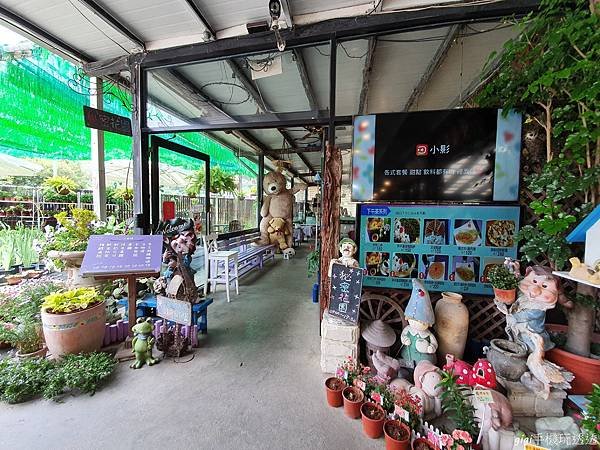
(177, 311)
(346, 290)
(102, 120)
(122, 254)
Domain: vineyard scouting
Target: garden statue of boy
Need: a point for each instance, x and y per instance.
(419, 342)
(347, 249)
(142, 343)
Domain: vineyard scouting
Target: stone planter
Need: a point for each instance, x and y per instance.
(508, 358)
(451, 325)
(77, 332)
(72, 262)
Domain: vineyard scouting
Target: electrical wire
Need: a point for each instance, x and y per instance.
(375, 7)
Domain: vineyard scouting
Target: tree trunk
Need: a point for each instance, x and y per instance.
(330, 218)
(581, 324)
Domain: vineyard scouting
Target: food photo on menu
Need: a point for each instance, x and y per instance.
(378, 229)
(404, 265)
(465, 269)
(500, 233)
(467, 232)
(435, 232)
(406, 230)
(435, 267)
(488, 265)
(378, 264)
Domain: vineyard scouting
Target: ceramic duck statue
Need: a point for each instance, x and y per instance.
(418, 340)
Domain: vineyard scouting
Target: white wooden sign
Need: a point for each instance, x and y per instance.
(177, 311)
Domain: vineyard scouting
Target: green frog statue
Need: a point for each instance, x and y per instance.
(142, 343)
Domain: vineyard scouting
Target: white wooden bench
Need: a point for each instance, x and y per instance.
(250, 255)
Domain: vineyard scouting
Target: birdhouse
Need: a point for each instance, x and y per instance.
(378, 336)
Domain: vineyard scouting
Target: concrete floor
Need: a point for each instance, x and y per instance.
(255, 383)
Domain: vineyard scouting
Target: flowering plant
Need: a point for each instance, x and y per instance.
(458, 440)
(591, 419)
(412, 405)
(351, 370)
(381, 394)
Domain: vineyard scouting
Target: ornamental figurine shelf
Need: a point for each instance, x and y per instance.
(177, 280)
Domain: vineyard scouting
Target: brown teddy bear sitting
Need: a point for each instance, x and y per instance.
(278, 231)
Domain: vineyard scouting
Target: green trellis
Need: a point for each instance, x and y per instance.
(41, 116)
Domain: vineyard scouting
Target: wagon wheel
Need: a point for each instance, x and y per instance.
(375, 306)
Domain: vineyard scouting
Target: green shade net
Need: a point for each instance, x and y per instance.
(41, 116)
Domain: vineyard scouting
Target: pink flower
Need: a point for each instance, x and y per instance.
(447, 440)
(598, 427)
(366, 369)
(463, 436)
(460, 447)
(577, 416)
(339, 373)
(376, 397)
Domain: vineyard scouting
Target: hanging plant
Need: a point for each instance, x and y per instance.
(60, 185)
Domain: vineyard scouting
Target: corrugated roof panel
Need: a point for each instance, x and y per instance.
(350, 63)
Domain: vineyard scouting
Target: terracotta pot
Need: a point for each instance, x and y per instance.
(14, 279)
(391, 443)
(507, 296)
(372, 427)
(586, 370)
(423, 441)
(334, 394)
(76, 332)
(41, 353)
(352, 407)
(509, 359)
(451, 325)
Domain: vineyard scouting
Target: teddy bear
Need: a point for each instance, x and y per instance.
(278, 202)
(278, 232)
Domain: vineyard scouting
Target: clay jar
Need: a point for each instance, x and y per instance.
(353, 398)
(451, 325)
(508, 358)
(334, 387)
(394, 435)
(373, 416)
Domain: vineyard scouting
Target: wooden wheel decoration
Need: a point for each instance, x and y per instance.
(376, 306)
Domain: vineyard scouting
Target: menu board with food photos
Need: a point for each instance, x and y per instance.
(448, 247)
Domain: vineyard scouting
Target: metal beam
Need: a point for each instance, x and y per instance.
(366, 75)
(113, 22)
(308, 88)
(339, 120)
(200, 16)
(297, 150)
(344, 28)
(42, 36)
(435, 62)
(239, 74)
(477, 83)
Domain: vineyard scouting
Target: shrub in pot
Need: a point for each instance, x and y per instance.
(60, 185)
(26, 336)
(373, 417)
(505, 284)
(334, 387)
(73, 321)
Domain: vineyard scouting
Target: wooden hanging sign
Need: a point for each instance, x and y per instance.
(103, 120)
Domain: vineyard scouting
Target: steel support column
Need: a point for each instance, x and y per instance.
(141, 194)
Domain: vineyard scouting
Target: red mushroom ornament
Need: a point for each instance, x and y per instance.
(481, 374)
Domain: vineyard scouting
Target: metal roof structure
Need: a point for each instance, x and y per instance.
(200, 58)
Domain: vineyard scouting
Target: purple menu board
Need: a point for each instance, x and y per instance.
(122, 254)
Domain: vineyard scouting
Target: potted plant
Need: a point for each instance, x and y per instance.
(590, 422)
(60, 185)
(74, 321)
(334, 387)
(28, 339)
(422, 443)
(373, 417)
(397, 435)
(504, 283)
(353, 398)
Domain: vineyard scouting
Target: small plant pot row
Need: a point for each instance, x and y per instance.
(373, 416)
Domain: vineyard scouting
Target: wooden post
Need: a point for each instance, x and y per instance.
(131, 301)
(330, 217)
(97, 144)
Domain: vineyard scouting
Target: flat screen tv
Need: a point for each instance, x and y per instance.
(465, 155)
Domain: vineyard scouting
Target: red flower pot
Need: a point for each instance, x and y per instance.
(373, 417)
(507, 296)
(334, 387)
(353, 398)
(423, 443)
(397, 435)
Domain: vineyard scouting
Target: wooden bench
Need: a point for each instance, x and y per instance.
(147, 308)
(250, 255)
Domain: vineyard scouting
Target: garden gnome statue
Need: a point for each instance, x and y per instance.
(419, 342)
(347, 249)
(525, 320)
(142, 343)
